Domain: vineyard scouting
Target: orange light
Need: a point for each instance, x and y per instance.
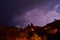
(53, 31)
(36, 37)
(32, 29)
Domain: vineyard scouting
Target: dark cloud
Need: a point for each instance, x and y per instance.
(10, 9)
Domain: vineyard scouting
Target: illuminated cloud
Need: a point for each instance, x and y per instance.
(24, 12)
(37, 17)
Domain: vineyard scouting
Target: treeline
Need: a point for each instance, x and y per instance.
(50, 31)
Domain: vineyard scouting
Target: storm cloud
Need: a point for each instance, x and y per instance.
(24, 12)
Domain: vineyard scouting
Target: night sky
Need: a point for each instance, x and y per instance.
(23, 12)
